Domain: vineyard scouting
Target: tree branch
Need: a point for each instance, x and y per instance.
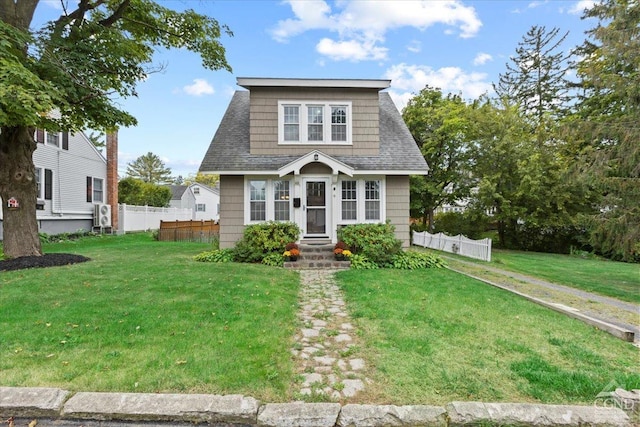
(107, 22)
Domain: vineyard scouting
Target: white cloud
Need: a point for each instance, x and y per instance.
(482, 58)
(580, 6)
(415, 46)
(351, 50)
(362, 25)
(407, 80)
(198, 88)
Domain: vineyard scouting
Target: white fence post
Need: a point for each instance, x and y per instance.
(143, 218)
(478, 249)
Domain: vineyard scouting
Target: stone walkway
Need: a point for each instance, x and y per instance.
(325, 347)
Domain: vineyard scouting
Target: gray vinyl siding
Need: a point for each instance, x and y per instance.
(231, 210)
(397, 202)
(365, 111)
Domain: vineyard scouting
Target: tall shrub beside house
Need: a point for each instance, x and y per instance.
(376, 242)
(260, 240)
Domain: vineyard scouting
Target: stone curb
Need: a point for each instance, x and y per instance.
(51, 403)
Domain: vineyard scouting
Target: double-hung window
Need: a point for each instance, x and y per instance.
(95, 190)
(201, 207)
(268, 200)
(349, 200)
(39, 176)
(361, 200)
(314, 122)
(258, 200)
(291, 120)
(372, 200)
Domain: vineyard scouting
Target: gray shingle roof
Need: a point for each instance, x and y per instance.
(229, 149)
(177, 191)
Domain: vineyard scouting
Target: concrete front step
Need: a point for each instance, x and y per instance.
(317, 264)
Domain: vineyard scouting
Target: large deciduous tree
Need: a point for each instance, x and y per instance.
(441, 127)
(607, 121)
(150, 168)
(66, 75)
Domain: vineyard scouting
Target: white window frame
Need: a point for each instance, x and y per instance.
(201, 207)
(39, 178)
(303, 121)
(269, 198)
(46, 138)
(361, 201)
(196, 190)
(93, 190)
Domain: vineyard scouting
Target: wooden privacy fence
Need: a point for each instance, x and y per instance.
(188, 231)
(478, 249)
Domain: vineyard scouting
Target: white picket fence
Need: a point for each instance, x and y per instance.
(478, 249)
(142, 218)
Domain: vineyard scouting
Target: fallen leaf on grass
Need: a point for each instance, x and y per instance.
(181, 362)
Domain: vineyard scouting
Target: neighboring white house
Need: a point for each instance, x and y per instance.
(203, 200)
(71, 175)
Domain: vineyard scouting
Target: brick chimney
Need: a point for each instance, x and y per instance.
(112, 176)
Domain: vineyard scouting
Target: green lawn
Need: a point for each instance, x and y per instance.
(143, 316)
(435, 336)
(614, 279)
(609, 278)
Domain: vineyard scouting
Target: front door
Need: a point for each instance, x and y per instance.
(316, 208)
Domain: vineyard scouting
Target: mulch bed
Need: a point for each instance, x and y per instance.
(46, 260)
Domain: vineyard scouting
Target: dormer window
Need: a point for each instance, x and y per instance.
(312, 122)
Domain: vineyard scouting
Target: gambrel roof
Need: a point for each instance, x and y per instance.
(229, 151)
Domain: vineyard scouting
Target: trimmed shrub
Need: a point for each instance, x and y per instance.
(219, 255)
(274, 260)
(413, 260)
(377, 242)
(259, 240)
(360, 262)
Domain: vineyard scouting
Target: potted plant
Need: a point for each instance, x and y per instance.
(341, 251)
(291, 252)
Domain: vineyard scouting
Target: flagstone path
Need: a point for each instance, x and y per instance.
(326, 350)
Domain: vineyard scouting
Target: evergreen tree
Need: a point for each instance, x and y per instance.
(149, 168)
(607, 121)
(537, 78)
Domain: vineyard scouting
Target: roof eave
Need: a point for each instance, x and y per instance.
(249, 82)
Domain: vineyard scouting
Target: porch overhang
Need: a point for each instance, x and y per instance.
(316, 156)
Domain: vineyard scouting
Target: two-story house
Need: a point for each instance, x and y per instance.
(71, 179)
(204, 201)
(320, 152)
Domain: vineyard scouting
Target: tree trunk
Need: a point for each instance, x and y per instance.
(17, 184)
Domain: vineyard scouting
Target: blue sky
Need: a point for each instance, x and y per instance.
(458, 46)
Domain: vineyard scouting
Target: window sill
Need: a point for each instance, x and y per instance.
(319, 143)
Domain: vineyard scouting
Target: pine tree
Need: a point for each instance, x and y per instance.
(149, 168)
(608, 126)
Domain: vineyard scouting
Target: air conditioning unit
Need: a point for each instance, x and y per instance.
(102, 215)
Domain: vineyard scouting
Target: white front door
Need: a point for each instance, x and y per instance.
(316, 207)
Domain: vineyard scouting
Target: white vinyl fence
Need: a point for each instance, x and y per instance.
(479, 249)
(142, 218)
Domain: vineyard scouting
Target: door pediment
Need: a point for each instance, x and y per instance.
(316, 156)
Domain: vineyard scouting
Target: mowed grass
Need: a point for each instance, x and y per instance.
(609, 278)
(619, 280)
(142, 316)
(435, 336)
